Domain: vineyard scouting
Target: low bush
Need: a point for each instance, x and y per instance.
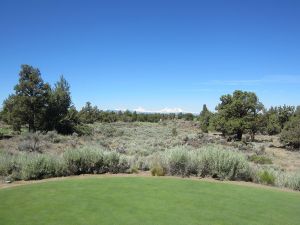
(89, 160)
(178, 161)
(84, 160)
(31, 142)
(109, 131)
(31, 166)
(174, 132)
(83, 130)
(7, 164)
(134, 169)
(211, 161)
(223, 163)
(259, 159)
(53, 137)
(289, 180)
(38, 166)
(157, 170)
(266, 177)
(293, 181)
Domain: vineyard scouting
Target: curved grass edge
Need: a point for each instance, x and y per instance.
(19, 184)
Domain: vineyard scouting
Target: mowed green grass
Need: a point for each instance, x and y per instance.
(143, 200)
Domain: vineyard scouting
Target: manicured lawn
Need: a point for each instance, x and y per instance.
(138, 200)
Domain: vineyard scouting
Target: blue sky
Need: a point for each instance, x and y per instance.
(155, 55)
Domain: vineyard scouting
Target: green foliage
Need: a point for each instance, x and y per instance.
(83, 130)
(237, 114)
(265, 177)
(277, 117)
(37, 106)
(174, 132)
(157, 170)
(59, 104)
(204, 118)
(273, 125)
(68, 124)
(31, 96)
(291, 133)
(259, 159)
(134, 169)
(89, 114)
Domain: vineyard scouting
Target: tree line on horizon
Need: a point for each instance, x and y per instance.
(40, 107)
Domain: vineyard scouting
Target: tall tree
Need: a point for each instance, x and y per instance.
(59, 104)
(204, 118)
(89, 114)
(30, 99)
(290, 135)
(237, 113)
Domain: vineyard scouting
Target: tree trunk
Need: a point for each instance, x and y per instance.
(239, 135)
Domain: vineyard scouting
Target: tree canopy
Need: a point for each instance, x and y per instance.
(238, 113)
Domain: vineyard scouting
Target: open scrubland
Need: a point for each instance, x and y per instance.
(43, 135)
(176, 148)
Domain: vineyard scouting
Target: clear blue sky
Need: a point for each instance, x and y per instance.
(155, 54)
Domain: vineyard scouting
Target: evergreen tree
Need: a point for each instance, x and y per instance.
(237, 113)
(59, 105)
(28, 104)
(204, 118)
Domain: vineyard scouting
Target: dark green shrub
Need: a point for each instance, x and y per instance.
(291, 133)
(157, 170)
(265, 177)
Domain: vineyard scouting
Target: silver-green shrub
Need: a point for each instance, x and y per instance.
(91, 160)
(84, 160)
(40, 166)
(223, 163)
(215, 161)
(179, 161)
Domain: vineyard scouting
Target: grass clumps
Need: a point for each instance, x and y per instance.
(157, 170)
(265, 177)
(259, 159)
